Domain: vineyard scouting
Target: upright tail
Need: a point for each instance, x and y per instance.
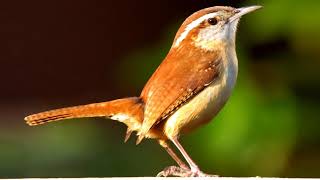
(127, 110)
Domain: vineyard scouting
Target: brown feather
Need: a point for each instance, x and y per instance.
(180, 77)
(183, 74)
(132, 107)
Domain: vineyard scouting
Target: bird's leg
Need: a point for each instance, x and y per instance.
(194, 170)
(173, 170)
(191, 163)
(174, 156)
(183, 170)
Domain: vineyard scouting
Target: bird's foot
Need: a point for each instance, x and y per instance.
(182, 172)
(174, 171)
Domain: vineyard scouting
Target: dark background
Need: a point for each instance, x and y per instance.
(63, 53)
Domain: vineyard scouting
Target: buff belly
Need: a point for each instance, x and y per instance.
(203, 107)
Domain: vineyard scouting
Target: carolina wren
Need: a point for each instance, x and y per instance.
(187, 90)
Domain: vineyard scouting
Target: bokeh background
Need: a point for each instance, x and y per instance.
(62, 53)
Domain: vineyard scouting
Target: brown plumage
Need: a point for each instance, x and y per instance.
(131, 107)
(188, 89)
(180, 77)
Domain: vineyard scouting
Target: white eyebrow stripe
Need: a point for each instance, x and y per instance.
(192, 25)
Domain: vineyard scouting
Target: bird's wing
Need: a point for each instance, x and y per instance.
(178, 79)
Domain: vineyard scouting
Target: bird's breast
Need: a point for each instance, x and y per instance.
(206, 104)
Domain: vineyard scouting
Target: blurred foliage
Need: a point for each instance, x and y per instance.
(269, 127)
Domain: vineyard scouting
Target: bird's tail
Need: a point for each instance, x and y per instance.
(127, 110)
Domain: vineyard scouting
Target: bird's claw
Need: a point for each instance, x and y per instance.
(173, 171)
(182, 172)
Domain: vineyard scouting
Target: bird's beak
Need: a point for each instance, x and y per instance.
(242, 11)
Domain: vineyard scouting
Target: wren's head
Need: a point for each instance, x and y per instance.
(208, 28)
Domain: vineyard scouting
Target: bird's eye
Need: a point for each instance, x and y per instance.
(213, 21)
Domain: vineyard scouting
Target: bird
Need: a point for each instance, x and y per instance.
(187, 90)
